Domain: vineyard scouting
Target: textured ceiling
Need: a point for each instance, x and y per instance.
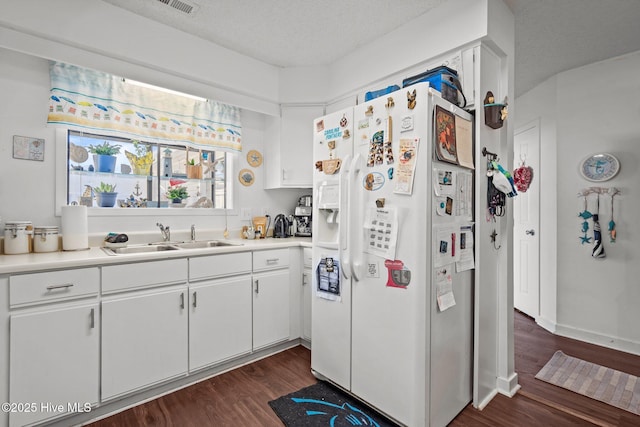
(551, 35)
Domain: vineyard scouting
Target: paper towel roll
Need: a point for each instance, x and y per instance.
(75, 228)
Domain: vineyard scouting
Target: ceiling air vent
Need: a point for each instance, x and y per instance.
(182, 6)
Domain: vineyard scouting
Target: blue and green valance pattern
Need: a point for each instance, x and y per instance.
(88, 100)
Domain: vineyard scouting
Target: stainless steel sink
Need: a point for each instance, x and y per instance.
(172, 246)
(204, 244)
(139, 249)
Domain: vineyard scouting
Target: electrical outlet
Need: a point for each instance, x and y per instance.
(245, 214)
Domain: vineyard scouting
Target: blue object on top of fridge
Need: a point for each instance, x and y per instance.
(443, 79)
(436, 77)
(377, 93)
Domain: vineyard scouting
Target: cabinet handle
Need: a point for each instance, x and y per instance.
(283, 175)
(195, 301)
(62, 286)
(92, 318)
(273, 260)
(304, 279)
(182, 300)
(257, 290)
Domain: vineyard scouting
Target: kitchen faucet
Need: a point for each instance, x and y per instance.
(193, 232)
(166, 233)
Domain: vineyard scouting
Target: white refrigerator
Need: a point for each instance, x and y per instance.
(389, 213)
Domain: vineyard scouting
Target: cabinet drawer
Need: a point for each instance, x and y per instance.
(272, 259)
(143, 275)
(219, 265)
(307, 258)
(39, 288)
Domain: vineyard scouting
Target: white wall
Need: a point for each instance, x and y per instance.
(588, 110)
(28, 187)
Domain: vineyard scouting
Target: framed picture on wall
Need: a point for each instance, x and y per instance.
(27, 148)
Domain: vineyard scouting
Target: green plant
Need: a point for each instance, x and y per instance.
(192, 162)
(105, 149)
(105, 188)
(177, 192)
(140, 148)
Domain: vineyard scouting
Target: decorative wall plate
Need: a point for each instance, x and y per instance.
(254, 158)
(246, 177)
(599, 167)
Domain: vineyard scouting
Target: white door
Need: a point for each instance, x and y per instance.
(270, 308)
(219, 320)
(54, 360)
(144, 340)
(526, 224)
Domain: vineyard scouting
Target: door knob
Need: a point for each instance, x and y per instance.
(530, 232)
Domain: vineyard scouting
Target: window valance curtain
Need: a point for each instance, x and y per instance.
(88, 100)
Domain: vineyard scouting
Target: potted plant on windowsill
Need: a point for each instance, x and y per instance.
(105, 156)
(142, 160)
(106, 195)
(194, 171)
(176, 194)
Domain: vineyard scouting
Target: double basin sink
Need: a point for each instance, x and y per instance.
(167, 246)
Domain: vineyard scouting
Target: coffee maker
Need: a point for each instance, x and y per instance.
(302, 215)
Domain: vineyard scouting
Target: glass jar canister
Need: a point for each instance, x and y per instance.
(45, 239)
(17, 237)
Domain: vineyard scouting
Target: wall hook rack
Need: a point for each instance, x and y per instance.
(487, 153)
(611, 191)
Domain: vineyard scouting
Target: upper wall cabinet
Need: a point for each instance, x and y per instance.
(288, 152)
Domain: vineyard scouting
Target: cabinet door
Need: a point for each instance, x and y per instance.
(289, 158)
(144, 340)
(306, 304)
(270, 308)
(219, 321)
(54, 359)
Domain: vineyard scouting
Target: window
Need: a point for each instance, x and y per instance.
(142, 173)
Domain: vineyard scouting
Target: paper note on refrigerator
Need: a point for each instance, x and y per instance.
(466, 261)
(381, 228)
(406, 165)
(444, 288)
(464, 140)
(446, 245)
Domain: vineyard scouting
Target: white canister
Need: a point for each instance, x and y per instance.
(45, 239)
(17, 236)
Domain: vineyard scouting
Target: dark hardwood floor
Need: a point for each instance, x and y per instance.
(239, 397)
(541, 404)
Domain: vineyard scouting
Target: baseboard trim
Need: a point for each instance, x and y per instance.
(615, 343)
(508, 386)
(487, 399)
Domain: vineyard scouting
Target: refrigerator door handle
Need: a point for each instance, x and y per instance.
(356, 217)
(343, 218)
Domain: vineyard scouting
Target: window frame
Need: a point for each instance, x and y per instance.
(61, 186)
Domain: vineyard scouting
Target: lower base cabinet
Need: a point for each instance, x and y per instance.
(307, 290)
(144, 340)
(54, 359)
(270, 308)
(219, 320)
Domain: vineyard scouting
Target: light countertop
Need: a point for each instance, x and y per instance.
(96, 256)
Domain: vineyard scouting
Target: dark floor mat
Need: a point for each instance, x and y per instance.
(324, 405)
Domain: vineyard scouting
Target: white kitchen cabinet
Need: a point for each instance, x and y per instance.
(219, 320)
(288, 154)
(54, 360)
(306, 303)
(144, 339)
(270, 307)
(307, 292)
